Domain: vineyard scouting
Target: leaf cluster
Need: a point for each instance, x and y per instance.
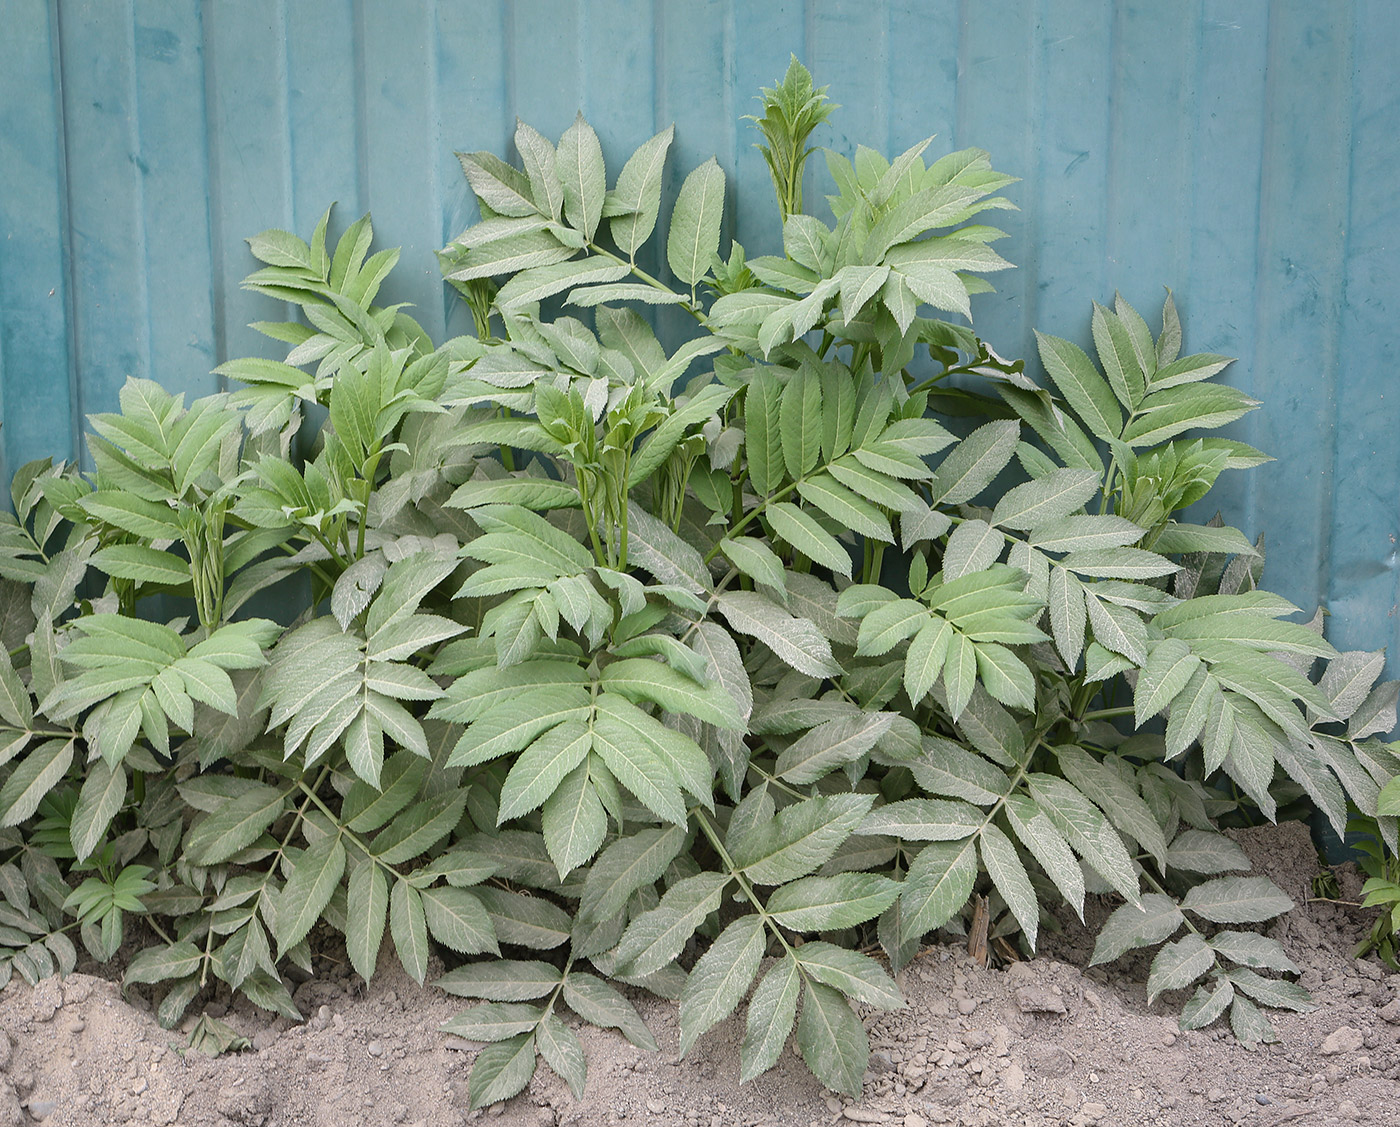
(703, 667)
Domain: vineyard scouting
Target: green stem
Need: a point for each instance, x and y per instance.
(877, 562)
(590, 520)
(791, 791)
(1107, 484)
(749, 517)
(729, 578)
(349, 835)
(1108, 713)
(929, 382)
(155, 927)
(688, 305)
(371, 469)
(50, 733)
(208, 954)
(1147, 876)
(708, 829)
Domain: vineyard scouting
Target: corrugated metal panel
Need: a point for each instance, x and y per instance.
(1242, 153)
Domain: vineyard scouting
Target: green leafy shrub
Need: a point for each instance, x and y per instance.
(606, 648)
(1379, 858)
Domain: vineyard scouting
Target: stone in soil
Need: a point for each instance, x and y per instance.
(1039, 1000)
(1347, 1039)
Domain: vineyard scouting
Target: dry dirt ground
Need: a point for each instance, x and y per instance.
(965, 1051)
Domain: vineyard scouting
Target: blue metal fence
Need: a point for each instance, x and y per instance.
(1242, 152)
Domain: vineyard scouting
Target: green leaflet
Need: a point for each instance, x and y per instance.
(309, 889)
(831, 744)
(654, 939)
(1086, 828)
(561, 1050)
(800, 422)
(857, 976)
(457, 920)
(694, 234)
(494, 1021)
(721, 977)
(574, 821)
(598, 1003)
(625, 866)
(772, 1011)
(366, 911)
(807, 535)
(501, 980)
(800, 839)
(580, 168)
(798, 641)
(828, 903)
(542, 767)
(641, 680)
(971, 467)
(763, 430)
(938, 884)
(1159, 918)
(635, 202)
(831, 1039)
(1083, 388)
(1009, 876)
(1179, 964)
(1237, 900)
(502, 1069)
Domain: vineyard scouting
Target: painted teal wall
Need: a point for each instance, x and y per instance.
(1242, 152)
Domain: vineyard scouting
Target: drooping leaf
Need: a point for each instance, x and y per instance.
(721, 977)
(831, 1039)
(502, 1069)
(772, 1011)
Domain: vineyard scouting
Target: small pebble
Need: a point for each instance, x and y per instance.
(76, 1025)
(375, 1048)
(1263, 1099)
(42, 1109)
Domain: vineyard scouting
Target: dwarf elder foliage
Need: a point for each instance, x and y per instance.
(698, 669)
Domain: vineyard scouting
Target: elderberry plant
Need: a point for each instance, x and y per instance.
(697, 669)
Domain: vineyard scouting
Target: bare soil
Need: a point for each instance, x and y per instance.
(1035, 1044)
